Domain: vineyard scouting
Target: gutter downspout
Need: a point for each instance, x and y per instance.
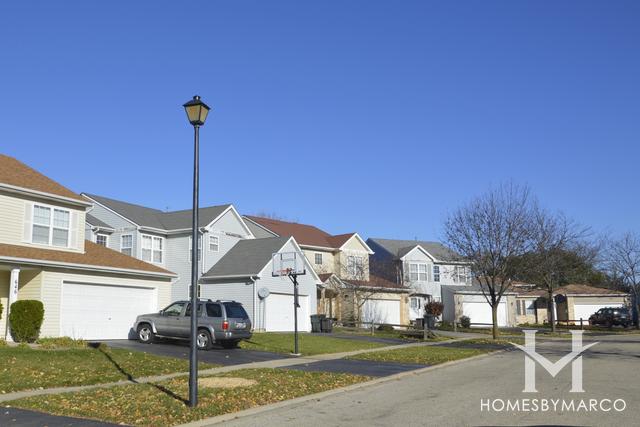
(255, 319)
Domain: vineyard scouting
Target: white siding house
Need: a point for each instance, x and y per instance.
(247, 268)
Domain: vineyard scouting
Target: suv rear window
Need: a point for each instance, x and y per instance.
(214, 310)
(235, 310)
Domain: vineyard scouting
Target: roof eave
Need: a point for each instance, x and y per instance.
(76, 266)
(49, 196)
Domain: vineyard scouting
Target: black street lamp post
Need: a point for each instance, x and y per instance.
(197, 113)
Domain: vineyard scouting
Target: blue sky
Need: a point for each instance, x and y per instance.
(371, 116)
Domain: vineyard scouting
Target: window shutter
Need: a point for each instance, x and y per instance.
(73, 230)
(28, 220)
(430, 272)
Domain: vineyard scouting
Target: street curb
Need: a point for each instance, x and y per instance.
(276, 363)
(317, 396)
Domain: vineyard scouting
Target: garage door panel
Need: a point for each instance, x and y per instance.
(584, 311)
(279, 315)
(381, 311)
(480, 312)
(92, 311)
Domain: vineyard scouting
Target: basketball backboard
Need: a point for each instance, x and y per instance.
(287, 263)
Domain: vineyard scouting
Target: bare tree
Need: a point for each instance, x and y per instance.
(623, 262)
(490, 232)
(553, 235)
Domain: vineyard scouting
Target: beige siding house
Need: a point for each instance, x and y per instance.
(88, 291)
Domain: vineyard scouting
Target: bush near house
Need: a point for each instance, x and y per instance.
(465, 321)
(434, 308)
(1, 307)
(385, 328)
(26, 318)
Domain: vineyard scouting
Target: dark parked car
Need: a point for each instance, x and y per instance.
(611, 316)
(223, 322)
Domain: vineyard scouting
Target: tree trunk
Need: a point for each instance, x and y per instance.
(551, 314)
(494, 319)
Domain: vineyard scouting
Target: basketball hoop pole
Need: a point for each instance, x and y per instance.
(294, 279)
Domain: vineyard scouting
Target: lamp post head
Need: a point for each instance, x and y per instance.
(196, 111)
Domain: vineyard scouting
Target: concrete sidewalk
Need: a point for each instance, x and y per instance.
(278, 363)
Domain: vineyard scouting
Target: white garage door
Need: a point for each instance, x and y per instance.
(279, 313)
(480, 312)
(102, 312)
(584, 311)
(381, 311)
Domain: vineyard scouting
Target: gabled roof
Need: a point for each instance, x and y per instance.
(94, 256)
(578, 289)
(92, 220)
(473, 289)
(305, 234)
(155, 218)
(400, 248)
(15, 173)
(247, 258)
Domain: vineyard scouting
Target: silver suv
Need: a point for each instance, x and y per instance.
(223, 322)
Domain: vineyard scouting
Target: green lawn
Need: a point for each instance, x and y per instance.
(309, 343)
(163, 404)
(426, 355)
(23, 368)
(407, 335)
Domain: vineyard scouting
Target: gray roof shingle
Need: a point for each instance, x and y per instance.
(154, 218)
(247, 257)
(96, 222)
(400, 248)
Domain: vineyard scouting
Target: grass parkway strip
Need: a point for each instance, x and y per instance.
(162, 403)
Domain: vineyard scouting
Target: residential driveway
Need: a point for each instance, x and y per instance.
(452, 395)
(180, 349)
(357, 367)
(13, 417)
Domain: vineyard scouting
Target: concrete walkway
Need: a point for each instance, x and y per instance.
(279, 363)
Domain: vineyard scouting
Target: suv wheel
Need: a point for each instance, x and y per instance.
(145, 333)
(203, 340)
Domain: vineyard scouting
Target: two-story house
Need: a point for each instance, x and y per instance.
(88, 291)
(422, 266)
(164, 238)
(348, 291)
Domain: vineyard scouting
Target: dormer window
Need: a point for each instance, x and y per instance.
(50, 226)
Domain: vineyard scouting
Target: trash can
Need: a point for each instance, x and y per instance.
(316, 322)
(327, 324)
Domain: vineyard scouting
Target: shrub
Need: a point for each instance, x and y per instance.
(434, 308)
(465, 321)
(3, 343)
(385, 328)
(1, 307)
(62, 342)
(26, 318)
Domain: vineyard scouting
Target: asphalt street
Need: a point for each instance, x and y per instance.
(454, 395)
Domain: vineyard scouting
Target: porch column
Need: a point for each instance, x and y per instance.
(13, 296)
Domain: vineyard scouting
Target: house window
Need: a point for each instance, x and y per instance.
(436, 273)
(191, 248)
(355, 265)
(422, 272)
(102, 239)
(126, 244)
(318, 259)
(415, 303)
(460, 274)
(418, 272)
(214, 243)
(152, 247)
(50, 229)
